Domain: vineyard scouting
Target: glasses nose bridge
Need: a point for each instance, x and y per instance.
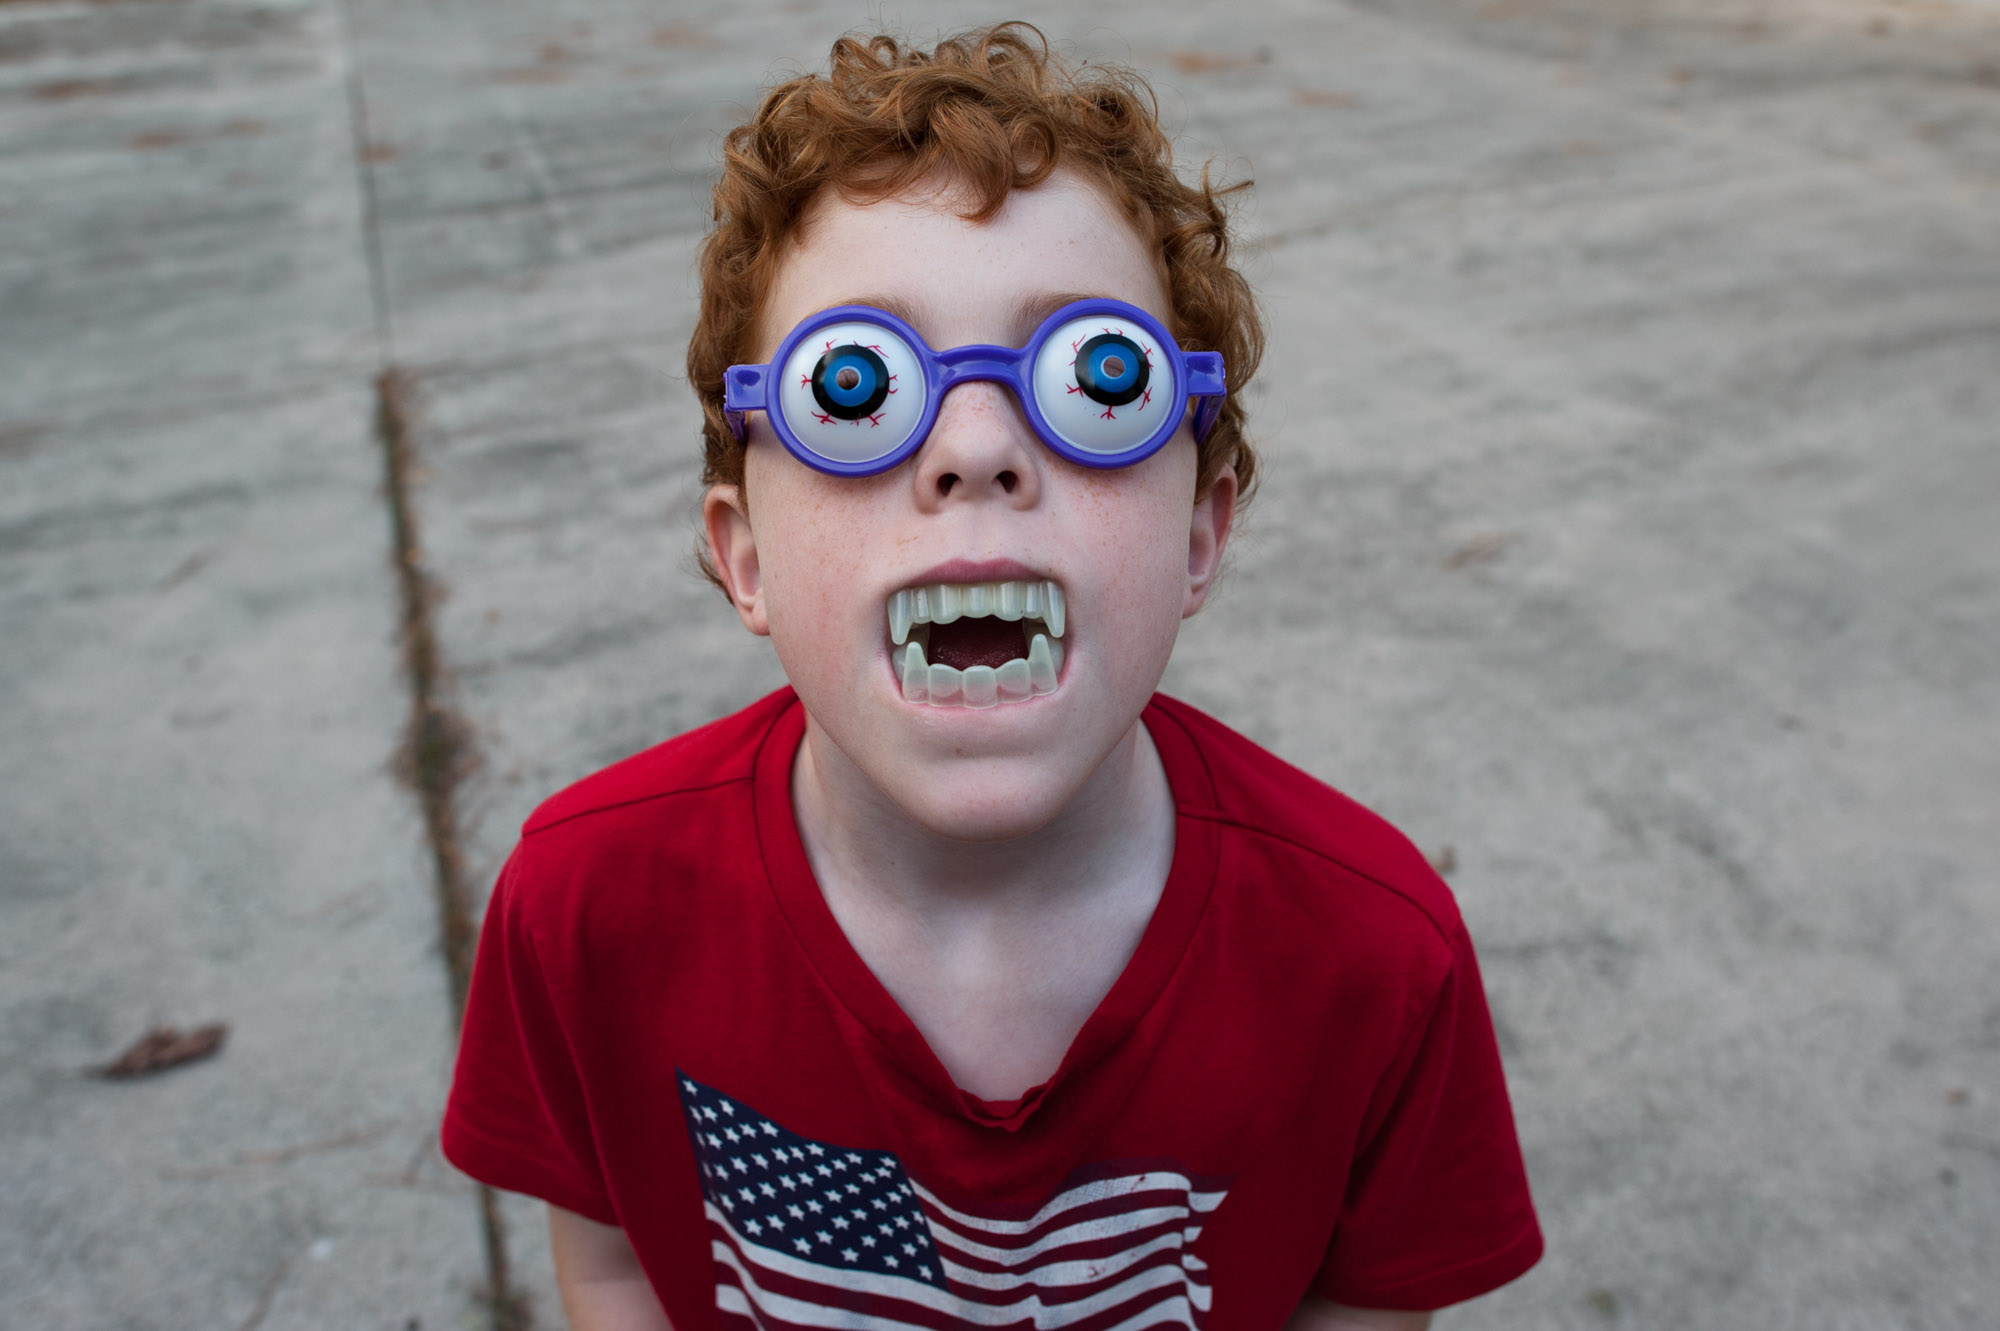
(977, 362)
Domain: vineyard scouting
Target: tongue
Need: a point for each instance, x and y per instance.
(972, 642)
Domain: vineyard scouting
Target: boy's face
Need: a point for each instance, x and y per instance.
(818, 563)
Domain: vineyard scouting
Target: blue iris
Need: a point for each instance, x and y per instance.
(1114, 367)
(1111, 368)
(850, 382)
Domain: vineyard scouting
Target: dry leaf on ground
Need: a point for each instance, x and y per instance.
(166, 1047)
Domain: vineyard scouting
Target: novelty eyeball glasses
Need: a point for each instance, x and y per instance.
(853, 390)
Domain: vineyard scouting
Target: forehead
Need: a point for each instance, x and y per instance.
(960, 281)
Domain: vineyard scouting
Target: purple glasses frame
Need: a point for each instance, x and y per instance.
(748, 388)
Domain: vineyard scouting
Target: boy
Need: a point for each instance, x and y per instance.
(966, 982)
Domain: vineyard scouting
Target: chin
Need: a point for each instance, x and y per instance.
(978, 803)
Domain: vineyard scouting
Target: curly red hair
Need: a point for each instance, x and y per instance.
(992, 111)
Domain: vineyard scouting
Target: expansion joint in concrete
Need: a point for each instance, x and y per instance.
(437, 750)
(437, 753)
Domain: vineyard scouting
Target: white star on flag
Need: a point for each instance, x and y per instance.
(1109, 1250)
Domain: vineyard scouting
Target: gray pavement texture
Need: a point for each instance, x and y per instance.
(1632, 427)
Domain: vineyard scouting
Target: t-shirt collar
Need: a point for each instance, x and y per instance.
(1139, 986)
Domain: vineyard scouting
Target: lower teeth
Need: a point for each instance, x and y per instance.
(982, 686)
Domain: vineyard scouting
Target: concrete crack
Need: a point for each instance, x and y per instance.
(437, 750)
(437, 754)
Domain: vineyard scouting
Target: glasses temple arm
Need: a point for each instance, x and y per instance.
(1207, 388)
(743, 389)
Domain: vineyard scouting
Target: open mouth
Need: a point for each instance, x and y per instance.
(977, 644)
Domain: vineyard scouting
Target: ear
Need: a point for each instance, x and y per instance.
(1208, 533)
(732, 550)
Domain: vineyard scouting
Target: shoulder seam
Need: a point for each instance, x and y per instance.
(1193, 742)
(1447, 936)
(532, 828)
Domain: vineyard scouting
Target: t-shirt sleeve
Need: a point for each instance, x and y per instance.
(1437, 1208)
(517, 1117)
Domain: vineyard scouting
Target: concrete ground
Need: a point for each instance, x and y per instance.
(1632, 435)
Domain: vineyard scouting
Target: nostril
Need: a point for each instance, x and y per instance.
(945, 482)
(1008, 480)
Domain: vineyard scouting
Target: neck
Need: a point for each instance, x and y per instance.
(1115, 833)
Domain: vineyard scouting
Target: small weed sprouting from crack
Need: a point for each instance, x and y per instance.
(512, 1310)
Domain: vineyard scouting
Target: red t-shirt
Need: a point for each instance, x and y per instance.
(1293, 1084)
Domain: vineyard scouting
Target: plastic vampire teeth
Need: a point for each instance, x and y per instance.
(1038, 607)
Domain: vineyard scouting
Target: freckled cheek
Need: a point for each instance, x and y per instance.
(1155, 582)
(1140, 598)
(1142, 544)
(811, 597)
(811, 579)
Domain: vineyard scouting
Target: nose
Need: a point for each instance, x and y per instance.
(980, 448)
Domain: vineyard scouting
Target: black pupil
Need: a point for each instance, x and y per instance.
(840, 371)
(1120, 354)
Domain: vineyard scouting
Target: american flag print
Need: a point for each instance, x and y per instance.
(811, 1234)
